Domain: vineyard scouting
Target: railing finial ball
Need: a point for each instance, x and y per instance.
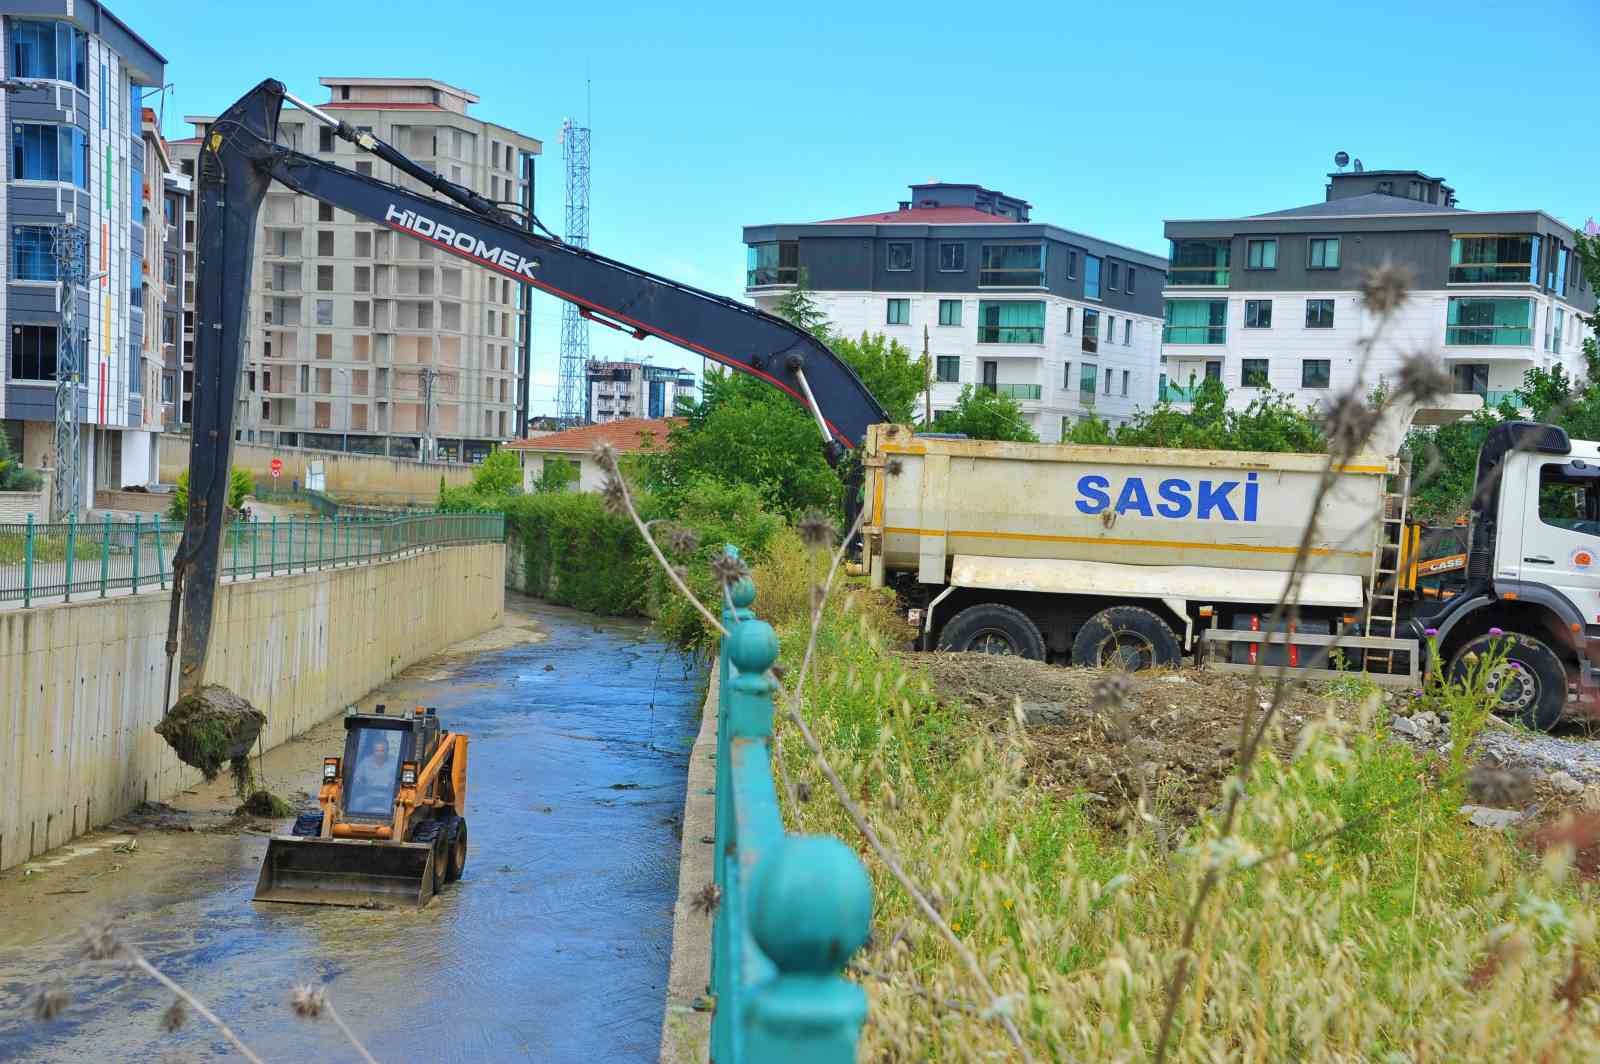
(813, 905)
(752, 647)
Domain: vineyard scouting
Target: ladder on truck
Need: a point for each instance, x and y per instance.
(1383, 598)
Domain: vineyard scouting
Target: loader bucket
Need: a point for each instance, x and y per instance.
(370, 875)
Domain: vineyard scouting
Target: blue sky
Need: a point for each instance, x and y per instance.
(1108, 118)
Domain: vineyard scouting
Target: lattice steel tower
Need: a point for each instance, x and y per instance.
(572, 397)
(68, 244)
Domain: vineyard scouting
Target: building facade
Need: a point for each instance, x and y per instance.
(363, 339)
(1068, 324)
(78, 163)
(619, 390)
(1273, 300)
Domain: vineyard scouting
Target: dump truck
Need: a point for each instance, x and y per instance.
(1139, 557)
(390, 827)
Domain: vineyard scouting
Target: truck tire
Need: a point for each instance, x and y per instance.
(1126, 637)
(990, 628)
(1532, 682)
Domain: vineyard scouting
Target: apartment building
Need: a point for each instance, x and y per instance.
(1274, 299)
(366, 340)
(619, 390)
(78, 162)
(1066, 323)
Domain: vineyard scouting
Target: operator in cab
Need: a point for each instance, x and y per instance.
(372, 784)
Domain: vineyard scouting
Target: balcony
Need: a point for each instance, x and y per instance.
(1177, 393)
(1017, 391)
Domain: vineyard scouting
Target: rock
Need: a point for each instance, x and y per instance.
(1405, 726)
(1034, 713)
(1493, 819)
(1173, 678)
(1563, 783)
(1427, 721)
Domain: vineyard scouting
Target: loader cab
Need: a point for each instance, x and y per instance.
(375, 746)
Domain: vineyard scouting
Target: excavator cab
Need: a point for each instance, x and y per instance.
(390, 827)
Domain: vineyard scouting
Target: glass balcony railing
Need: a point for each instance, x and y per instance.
(1177, 393)
(1017, 391)
(1494, 399)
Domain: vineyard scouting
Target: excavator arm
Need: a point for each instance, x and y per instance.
(240, 159)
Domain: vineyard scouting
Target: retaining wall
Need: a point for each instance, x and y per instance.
(81, 684)
(353, 477)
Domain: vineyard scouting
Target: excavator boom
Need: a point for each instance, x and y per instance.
(239, 160)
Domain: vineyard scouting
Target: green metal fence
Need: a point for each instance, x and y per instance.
(92, 558)
(791, 909)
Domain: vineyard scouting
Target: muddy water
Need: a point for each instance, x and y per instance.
(553, 946)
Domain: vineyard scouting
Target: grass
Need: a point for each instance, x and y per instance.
(48, 548)
(1404, 936)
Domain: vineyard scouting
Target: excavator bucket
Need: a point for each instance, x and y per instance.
(369, 875)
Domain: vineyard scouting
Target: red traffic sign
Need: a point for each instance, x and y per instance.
(277, 468)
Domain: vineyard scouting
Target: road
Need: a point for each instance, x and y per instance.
(554, 945)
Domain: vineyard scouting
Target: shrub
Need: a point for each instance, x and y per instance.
(13, 477)
(240, 484)
(575, 553)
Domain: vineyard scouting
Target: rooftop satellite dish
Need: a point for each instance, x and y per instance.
(1341, 159)
(1359, 167)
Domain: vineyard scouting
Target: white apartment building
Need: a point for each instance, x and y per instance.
(1065, 323)
(623, 389)
(363, 339)
(1274, 299)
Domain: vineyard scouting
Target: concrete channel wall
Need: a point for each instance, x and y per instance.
(350, 477)
(81, 684)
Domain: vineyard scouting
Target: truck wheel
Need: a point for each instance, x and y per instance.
(458, 853)
(1127, 638)
(990, 628)
(1531, 682)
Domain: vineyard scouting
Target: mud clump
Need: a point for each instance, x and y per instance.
(210, 728)
(265, 804)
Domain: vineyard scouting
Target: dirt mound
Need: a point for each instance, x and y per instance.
(1182, 725)
(265, 803)
(211, 727)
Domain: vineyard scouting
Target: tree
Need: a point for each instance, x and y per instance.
(889, 371)
(558, 474)
(498, 474)
(798, 308)
(981, 414)
(240, 484)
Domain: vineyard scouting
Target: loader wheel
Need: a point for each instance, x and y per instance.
(990, 628)
(1531, 682)
(457, 862)
(1128, 638)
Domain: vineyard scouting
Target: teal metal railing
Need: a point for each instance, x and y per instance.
(791, 909)
(44, 561)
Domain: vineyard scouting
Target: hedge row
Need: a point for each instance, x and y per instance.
(576, 554)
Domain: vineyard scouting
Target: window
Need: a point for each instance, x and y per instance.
(325, 140)
(1201, 262)
(949, 312)
(1569, 497)
(952, 258)
(1319, 313)
(1386, 187)
(1561, 321)
(1125, 375)
(1072, 265)
(1495, 258)
(166, 387)
(1088, 374)
(1091, 277)
(899, 312)
(947, 368)
(1108, 380)
(1258, 314)
(31, 255)
(1011, 322)
(1069, 321)
(169, 269)
(1113, 276)
(1066, 375)
(33, 352)
(324, 212)
(55, 50)
(777, 263)
(1489, 322)
(1315, 372)
(1214, 370)
(1127, 332)
(1111, 328)
(325, 243)
(899, 257)
(1253, 373)
(324, 278)
(1560, 284)
(1196, 321)
(49, 153)
(1261, 255)
(1471, 378)
(1129, 286)
(105, 98)
(364, 168)
(1091, 329)
(1014, 265)
(324, 312)
(1324, 253)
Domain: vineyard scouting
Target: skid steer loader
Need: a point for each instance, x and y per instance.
(391, 827)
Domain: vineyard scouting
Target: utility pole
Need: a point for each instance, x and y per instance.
(430, 446)
(572, 395)
(68, 244)
(927, 380)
